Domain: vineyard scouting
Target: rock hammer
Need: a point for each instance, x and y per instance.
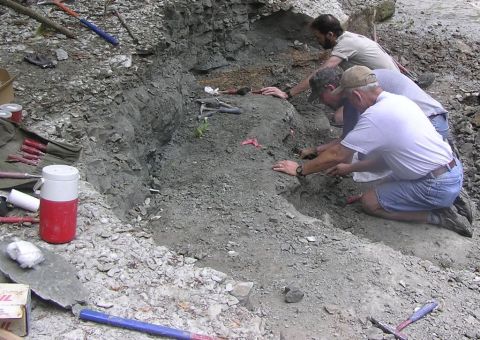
(112, 40)
(424, 310)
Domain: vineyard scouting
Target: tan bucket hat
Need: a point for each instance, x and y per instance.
(6, 87)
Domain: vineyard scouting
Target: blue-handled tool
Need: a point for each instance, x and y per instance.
(107, 37)
(428, 308)
(90, 315)
(112, 40)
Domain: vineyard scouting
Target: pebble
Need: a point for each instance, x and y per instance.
(293, 294)
(76, 334)
(241, 290)
(229, 287)
(61, 54)
(232, 253)
(374, 333)
(103, 304)
(214, 311)
(331, 309)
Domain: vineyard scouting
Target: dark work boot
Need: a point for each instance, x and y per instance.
(450, 219)
(464, 205)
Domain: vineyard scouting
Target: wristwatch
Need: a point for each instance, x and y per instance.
(300, 171)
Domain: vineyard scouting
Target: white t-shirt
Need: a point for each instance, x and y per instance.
(397, 129)
(355, 49)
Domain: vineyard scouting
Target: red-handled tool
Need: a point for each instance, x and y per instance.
(428, 308)
(15, 219)
(30, 156)
(388, 329)
(32, 151)
(354, 198)
(34, 144)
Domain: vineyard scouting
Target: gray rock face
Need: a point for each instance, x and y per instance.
(54, 279)
(127, 136)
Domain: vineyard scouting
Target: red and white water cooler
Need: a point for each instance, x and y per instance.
(58, 203)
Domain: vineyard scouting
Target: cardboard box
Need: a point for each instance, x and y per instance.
(15, 308)
(6, 87)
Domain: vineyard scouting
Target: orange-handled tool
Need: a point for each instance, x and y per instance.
(112, 40)
(64, 7)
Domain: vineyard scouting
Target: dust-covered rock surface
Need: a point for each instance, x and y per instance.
(167, 197)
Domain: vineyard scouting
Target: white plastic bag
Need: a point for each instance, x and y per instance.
(211, 90)
(25, 253)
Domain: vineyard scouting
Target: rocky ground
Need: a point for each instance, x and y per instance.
(147, 254)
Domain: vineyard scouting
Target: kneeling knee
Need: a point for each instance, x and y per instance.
(369, 203)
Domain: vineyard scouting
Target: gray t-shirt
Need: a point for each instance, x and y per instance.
(355, 49)
(396, 129)
(400, 84)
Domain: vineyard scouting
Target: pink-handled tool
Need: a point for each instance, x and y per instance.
(30, 156)
(16, 158)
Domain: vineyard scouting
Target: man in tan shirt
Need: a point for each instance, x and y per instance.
(348, 49)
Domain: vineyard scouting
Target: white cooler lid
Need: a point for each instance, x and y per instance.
(60, 173)
(5, 114)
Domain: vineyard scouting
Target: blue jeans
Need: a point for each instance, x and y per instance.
(426, 193)
(440, 123)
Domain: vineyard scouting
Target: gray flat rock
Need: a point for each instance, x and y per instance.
(54, 279)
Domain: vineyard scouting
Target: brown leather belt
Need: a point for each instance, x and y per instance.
(443, 169)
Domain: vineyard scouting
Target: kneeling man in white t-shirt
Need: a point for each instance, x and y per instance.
(426, 177)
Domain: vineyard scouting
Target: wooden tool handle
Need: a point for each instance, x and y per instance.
(66, 9)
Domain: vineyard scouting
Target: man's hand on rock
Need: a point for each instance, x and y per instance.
(288, 167)
(274, 91)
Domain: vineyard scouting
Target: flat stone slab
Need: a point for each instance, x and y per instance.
(54, 279)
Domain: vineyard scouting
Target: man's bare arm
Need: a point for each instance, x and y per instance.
(328, 158)
(331, 62)
(370, 164)
(315, 151)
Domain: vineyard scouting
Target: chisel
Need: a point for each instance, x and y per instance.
(18, 175)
